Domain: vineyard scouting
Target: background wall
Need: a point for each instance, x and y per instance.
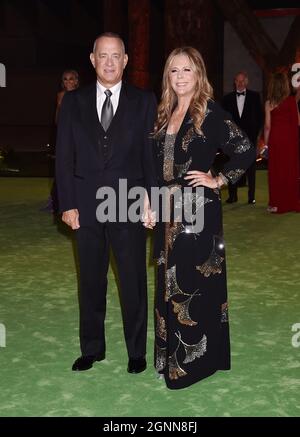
(41, 38)
(237, 58)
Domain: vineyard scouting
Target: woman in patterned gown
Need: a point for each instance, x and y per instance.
(191, 321)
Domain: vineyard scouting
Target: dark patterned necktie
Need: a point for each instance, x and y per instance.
(107, 112)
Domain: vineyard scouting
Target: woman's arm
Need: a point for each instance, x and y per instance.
(267, 127)
(59, 98)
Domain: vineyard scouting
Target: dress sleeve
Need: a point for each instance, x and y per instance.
(237, 146)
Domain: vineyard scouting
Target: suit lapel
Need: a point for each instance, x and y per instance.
(187, 122)
(89, 115)
(121, 109)
(236, 114)
(122, 119)
(246, 105)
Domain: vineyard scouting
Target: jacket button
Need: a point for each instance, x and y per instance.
(105, 137)
(105, 145)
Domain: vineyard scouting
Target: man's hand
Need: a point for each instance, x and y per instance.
(71, 218)
(148, 217)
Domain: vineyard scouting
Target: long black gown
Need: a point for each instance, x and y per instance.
(191, 310)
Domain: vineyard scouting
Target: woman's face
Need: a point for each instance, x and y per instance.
(182, 76)
(69, 82)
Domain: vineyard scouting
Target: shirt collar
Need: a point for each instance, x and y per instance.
(114, 89)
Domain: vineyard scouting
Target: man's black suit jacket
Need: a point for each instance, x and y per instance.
(88, 158)
(252, 117)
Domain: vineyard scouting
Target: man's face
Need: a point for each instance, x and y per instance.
(241, 82)
(109, 61)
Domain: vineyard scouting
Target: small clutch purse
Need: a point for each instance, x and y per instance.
(264, 153)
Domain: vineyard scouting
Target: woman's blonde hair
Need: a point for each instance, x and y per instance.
(203, 91)
(74, 73)
(278, 88)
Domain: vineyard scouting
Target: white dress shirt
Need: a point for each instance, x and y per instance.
(115, 90)
(240, 101)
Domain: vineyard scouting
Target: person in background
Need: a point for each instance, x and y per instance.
(245, 107)
(281, 135)
(69, 82)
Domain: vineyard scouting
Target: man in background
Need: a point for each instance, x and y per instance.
(245, 107)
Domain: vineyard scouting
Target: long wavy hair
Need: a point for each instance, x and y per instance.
(278, 88)
(203, 91)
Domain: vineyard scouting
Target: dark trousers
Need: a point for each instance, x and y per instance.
(250, 173)
(128, 242)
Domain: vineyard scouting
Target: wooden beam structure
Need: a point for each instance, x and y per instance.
(250, 31)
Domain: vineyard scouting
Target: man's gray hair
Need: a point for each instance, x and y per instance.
(109, 35)
(244, 73)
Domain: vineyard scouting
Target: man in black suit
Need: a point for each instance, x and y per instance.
(103, 136)
(245, 107)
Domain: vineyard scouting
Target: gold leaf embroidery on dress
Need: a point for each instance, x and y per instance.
(191, 206)
(175, 371)
(161, 331)
(188, 138)
(243, 146)
(193, 351)
(224, 312)
(193, 202)
(161, 260)
(183, 168)
(182, 310)
(161, 358)
(174, 230)
(174, 188)
(172, 287)
(217, 192)
(234, 130)
(233, 175)
(212, 265)
(169, 157)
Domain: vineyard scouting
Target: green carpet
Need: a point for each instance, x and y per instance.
(39, 309)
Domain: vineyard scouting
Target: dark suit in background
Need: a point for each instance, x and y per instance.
(251, 122)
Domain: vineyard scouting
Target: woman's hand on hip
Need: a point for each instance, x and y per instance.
(200, 178)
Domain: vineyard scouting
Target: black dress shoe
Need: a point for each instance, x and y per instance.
(231, 200)
(86, 361)
(136, 365)
(251, 201)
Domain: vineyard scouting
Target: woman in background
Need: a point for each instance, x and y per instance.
(69, 82)
(281, 135)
